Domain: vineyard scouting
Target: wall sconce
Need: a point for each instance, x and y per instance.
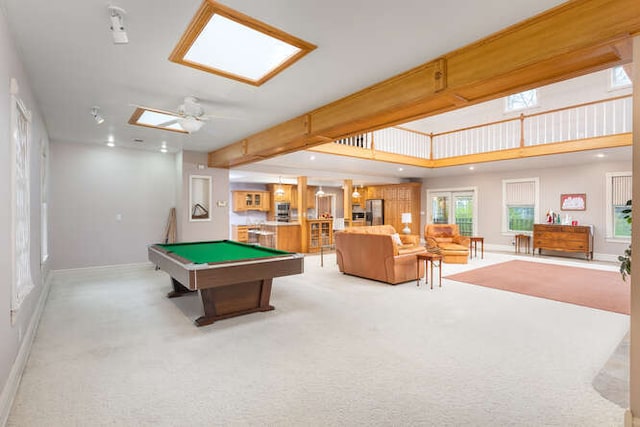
(406, 220)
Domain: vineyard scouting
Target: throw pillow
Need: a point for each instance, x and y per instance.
(396, 239)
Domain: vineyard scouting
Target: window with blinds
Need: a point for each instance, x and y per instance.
(520, 204)
(618, 193)
(22, 283)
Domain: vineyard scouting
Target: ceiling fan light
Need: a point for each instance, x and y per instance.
(190, 124)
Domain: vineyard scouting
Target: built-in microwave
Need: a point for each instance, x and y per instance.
(355, 216)
(283, 211)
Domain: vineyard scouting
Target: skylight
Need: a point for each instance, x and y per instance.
(156, 119)
(223, 41)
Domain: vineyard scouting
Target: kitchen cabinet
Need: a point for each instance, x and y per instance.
(399, 199)
(286, 237)
(251, 201)
(240, 233)
(320, 233)
(311, 197)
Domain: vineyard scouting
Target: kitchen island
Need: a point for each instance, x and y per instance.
(284, 236)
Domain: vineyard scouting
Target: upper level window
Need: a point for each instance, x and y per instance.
(522, 100)
(619, 78)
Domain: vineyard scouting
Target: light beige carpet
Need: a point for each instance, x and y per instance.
(338, 350)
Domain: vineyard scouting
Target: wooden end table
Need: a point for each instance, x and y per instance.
(473, 246)
(430, 259)
(523, 239)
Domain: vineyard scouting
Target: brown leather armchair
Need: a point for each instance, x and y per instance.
(446, 239)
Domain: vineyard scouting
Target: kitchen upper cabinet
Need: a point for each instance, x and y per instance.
(251, 201)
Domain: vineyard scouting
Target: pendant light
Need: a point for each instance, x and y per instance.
(279, 191)
(320, 193)
(355, 193)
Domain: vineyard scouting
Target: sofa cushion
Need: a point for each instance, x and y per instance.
(443, 239)
(452, 247)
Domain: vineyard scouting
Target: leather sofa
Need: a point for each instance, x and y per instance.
(371, 252)
(446, 240)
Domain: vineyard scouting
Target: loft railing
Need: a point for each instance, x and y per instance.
(589, 120)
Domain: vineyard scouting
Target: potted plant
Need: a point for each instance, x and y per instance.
(625, 260)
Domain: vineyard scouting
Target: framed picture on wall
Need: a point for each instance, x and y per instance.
(573, 202)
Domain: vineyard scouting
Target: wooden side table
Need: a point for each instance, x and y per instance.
(430, 259)
(523, 239)
(473, 245)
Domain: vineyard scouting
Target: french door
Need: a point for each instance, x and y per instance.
(453, 207)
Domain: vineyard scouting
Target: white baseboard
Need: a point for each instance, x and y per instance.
(510, 248)
(117, 268)
(11, 386)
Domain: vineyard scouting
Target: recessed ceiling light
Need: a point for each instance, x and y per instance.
(471, 168)
(400, 169)
(600, 155)
(223, 41)
(312, 158)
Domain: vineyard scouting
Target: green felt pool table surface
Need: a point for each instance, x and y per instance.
(219, 251)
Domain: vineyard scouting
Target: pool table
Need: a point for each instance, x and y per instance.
(233, 278)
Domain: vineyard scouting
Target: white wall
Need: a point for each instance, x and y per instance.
(218, 227)
(13, 335)
(589, 179)
(90, 186)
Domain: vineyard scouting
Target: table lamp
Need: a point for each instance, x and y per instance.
(406, 220)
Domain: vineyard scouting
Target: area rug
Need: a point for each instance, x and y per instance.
(604, 290)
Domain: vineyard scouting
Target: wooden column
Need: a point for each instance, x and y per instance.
(346, 200)
(302, 213)
(632, 417)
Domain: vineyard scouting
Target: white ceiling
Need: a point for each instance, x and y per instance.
(72, 64)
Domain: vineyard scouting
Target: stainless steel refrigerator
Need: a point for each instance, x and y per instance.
(374, 212)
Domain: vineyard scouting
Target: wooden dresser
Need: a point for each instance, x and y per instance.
(563, 238)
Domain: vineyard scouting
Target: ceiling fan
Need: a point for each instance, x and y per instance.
(189, 116)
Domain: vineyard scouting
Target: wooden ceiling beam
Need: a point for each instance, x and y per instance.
(575, 38)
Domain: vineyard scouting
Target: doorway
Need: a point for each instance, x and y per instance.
(458, 206)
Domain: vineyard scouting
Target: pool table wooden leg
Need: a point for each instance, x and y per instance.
(234, 300)
(178, 289)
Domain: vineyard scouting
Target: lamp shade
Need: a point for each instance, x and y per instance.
(406, 218)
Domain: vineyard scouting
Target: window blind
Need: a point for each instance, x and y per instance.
(520, 193)
(621, 189)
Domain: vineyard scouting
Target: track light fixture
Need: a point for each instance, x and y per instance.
(95, 113)
(116, 18)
